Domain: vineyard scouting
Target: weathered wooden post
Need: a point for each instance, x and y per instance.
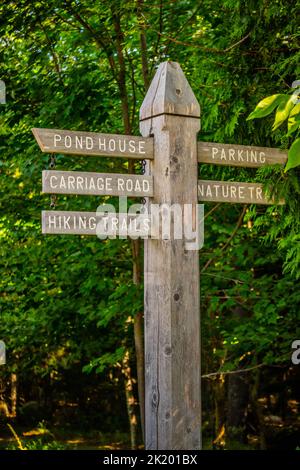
(171, 113)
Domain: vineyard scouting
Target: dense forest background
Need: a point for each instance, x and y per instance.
(71, 307)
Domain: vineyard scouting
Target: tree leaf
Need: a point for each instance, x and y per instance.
(294, 119)
(283, 111)
(295, 110)
(266, 106)
(293, 155)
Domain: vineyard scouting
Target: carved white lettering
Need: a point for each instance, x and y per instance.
(78, 142)
(89, 143)
(259, 194)
(214, 152)
(262, 157)
(52, 185)
(142, 147)
(57, 138)
(68, 142)
(131, 146)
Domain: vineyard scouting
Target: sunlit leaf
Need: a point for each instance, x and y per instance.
(266, 106)
(293, 155)
(294, 119)
(283, 111)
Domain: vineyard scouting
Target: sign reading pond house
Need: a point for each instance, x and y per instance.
(227, 191)
(96, 223)
(88, 183)
(93, 143)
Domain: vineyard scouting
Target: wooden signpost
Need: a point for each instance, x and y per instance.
(171, 113)
(169, 123)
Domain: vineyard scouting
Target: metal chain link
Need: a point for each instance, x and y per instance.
(52, 164)
(52, 161)
(144, 163)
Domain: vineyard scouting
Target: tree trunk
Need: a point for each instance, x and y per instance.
(130, 400)
(143, 43)
(13, 396)
(257, 410)
(219, 401)
(237, 402)
(139, 333)
(135, 244)
(139, 351)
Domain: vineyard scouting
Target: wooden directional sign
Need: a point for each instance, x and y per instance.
(92, 143)
(239, 155)
(171, 271)
(93, 223)
(97, 184)
(228, 191)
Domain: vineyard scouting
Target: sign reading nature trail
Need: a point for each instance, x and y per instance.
(169, 123)
(241, 193)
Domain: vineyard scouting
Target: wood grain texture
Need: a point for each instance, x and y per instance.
(233, 192)
(93, 143)
(169, 93)
(240, 155)
(97, 184)
(172, 312)
(88, 223)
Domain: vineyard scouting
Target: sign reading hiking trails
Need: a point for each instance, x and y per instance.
(92, 143)
(97, 184)
(225, 191)
(169, 124)
(93, 223)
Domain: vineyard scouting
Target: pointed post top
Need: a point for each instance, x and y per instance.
(169, 93)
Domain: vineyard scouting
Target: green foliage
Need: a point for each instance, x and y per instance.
(288, 109)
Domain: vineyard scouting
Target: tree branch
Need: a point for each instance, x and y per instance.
(100, 41)
(143, 43)
(231, 372)
(238, 43)
(234, 232)
(122, 70)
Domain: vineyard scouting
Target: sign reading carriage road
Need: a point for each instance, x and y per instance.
(97, 184)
